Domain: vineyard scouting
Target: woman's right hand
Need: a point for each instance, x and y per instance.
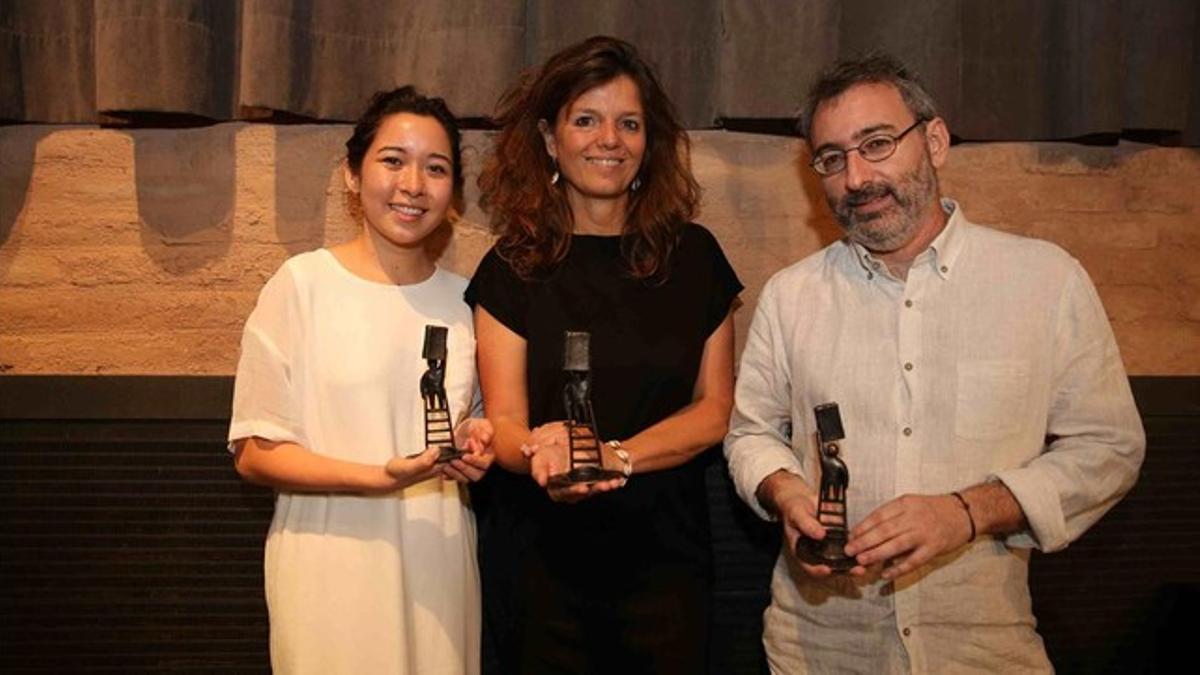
(289, 466)
(548, 449)
(406, 471)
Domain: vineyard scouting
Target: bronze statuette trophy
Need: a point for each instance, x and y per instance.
(831, 505)
(439, 429)
(585, 462)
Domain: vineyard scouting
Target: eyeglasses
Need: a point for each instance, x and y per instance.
(873, 149)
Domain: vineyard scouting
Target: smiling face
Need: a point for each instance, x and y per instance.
(406, 181)
(882, 205)
(598, 141)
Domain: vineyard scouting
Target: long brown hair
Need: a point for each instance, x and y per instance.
(532, 217)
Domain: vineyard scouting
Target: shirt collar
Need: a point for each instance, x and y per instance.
(943, 251)
(948, 245)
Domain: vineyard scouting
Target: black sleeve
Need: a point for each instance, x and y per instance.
(724, 285)
(498, 289)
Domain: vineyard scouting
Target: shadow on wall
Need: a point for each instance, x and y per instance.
(760, 180)
(186, 184)
(18, 147)
(470, 236)
(820, 219)
(476, 146)
(305, 159)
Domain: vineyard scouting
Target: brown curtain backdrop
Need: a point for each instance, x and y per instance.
(1010, 70)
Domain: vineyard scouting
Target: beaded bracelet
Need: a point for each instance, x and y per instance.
(626, 462)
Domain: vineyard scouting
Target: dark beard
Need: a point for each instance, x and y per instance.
(866, 194)
(893, 227)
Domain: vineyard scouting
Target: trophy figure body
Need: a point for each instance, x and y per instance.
(584, 458)
(831, 502)
(439, 426)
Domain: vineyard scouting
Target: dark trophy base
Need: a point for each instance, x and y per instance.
(828, 551)
(447, 453)
(583, 474)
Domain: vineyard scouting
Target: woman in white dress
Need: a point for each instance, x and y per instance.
(370, 559)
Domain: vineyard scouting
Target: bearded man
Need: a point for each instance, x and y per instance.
(985, 406)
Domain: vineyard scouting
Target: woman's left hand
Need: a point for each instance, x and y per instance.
(474, 436)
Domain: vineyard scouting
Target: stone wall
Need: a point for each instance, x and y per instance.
(142, 251)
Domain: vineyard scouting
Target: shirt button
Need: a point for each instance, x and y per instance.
(907, 632)
(908, 366)
(908, 303)
(907, 431)
(944, 269)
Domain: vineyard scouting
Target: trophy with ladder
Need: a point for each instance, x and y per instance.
(585, 462)
(831, 503)
(439, 426)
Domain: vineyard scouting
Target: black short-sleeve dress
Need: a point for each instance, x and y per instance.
(621, 579)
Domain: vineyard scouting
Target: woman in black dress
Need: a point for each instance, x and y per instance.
(590, 191)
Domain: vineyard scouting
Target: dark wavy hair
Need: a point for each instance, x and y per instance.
(404, 100)
(531, 217)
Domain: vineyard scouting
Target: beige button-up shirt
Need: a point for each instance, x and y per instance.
(993, 360)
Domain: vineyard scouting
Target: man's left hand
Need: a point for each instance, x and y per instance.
(909, 531)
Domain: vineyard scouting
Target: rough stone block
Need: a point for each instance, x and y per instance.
(1075, 231)
(982, 160)
(28, 269)
(1136, 302)
(1072, 159)
(142, 251)
(1114, 267)
(1142, 161)
(1162, 197)
(1193, 305)
(1054, 193)
(112, 309)
(130, 352)
(1159, 346)
(1182, 232)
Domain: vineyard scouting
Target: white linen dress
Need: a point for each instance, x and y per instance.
(380, 584)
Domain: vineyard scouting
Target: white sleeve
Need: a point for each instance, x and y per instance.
(1097, 443)
(264, 399)
(755, 445)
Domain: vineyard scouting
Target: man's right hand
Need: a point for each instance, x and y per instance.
(788, 497)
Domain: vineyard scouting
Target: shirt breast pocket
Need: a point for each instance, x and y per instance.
(991, 399)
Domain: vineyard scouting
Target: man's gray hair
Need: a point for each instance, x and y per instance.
(875, 67)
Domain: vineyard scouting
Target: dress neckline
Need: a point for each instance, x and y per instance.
(345, 272)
